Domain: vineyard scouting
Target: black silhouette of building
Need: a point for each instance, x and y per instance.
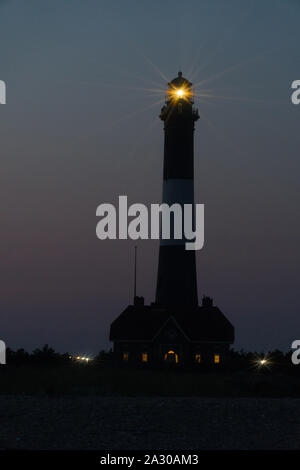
(174, 328)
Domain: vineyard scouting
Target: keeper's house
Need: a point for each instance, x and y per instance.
(150, 334)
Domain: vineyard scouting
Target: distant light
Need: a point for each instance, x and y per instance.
(263, 361)
(180, 92)
(81, 358)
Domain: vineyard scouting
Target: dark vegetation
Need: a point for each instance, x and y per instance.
(46, 372)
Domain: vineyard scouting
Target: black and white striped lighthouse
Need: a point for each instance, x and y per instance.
(175, 329)
(177, 277)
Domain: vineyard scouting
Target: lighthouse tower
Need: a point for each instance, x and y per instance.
(177, 278)
(174, 329)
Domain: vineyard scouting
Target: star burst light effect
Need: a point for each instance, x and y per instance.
(198, 93)
(262, 362)
(203, 93)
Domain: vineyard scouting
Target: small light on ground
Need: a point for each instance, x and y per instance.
(81, 358)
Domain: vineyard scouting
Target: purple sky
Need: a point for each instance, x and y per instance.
(81, 127)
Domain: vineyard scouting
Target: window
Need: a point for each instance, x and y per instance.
(198, 358)
(171, 356)
(125, 356)
(144, 357)
(217, 359)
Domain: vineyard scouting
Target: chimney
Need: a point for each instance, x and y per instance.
(207, 301)
(139, 301)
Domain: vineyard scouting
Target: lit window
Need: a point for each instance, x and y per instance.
(144, 357)
(125, 356)
(217, 358)
(198, 358)
(171, 356)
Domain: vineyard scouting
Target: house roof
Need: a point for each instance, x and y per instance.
(141, 322)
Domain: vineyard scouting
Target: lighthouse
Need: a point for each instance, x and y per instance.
(174, 329)
(177, 278)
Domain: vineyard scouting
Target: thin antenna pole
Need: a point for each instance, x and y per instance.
(135, 260)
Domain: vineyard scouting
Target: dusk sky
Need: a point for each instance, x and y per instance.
(85, 85)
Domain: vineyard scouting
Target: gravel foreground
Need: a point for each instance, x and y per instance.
(111, 423)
